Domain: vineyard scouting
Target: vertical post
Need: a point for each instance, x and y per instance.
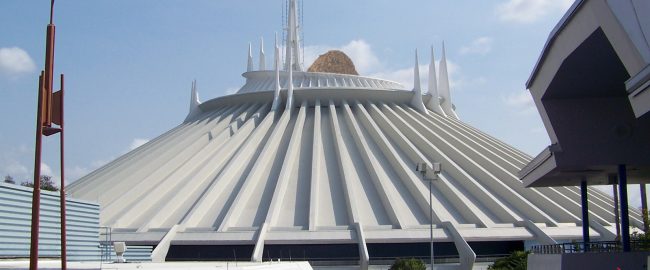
(617, 218)
(62, 190)
(644, 208)
(36, 193)
(625, 218)
(431, 222)
(585, 213)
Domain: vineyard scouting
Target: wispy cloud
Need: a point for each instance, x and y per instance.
(528, 11)
(137, 142)
(232, 90)
(15, 61)
(481, 45)
(521, 101)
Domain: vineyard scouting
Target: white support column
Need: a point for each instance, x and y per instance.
(465, 252)
(379, 176)
(290, 161)
(539, 234)
(416, 100)
(469, 210)
(159, 254)
(258, 252)
(289, 104)
(364, 257)
(317, 153)
(452, 168)
(199, 215)
(345, 164)
(497, 185)
(203, 175)
(276, 94)
(263, 163)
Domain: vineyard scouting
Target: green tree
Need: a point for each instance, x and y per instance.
(46, 183)
(408, 264)
(518, 260)
(9, 179)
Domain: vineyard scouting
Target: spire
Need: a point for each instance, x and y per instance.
(434, 102)
(249, 67)
(443, 86)
(290, 83)
(262, 56)
(416, 101)
(277, 52)
(195, 110)
(276, 94)
(293, 40)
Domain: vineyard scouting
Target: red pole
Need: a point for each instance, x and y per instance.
(62, 196)
(36, 193)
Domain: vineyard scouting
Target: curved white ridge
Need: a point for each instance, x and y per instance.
(261, 81)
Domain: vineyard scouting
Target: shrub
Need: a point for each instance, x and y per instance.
(516, 261)
(408, 264)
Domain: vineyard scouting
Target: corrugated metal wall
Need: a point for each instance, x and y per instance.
(15, 221)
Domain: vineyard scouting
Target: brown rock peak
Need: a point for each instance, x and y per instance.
(333, 62)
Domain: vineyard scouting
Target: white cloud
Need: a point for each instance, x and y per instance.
(405, 75)
(481, 45)
(231, 90)
(521, 101)
(15, 61)
(137, 142)
(528, 11)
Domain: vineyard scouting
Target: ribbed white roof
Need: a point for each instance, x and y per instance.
(312, 173)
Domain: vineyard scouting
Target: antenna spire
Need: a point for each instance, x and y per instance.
(290, 83)
(51, 12)
(249, 66)
(262, 55)
(416, 101)
(293, 40)
(443, 86)
(276, 94)
(434, 102)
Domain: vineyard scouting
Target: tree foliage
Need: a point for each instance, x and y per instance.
(518, 260)
(408, 264)
(9, 179)
(46, 183)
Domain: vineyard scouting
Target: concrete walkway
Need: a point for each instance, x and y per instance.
(55, 264)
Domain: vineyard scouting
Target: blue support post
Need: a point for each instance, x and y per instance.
(625, 217)
(585, 214)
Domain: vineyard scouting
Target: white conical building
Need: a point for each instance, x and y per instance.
(330, 174)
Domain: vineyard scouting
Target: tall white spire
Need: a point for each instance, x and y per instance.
(249, 66)
(416, 101)
(434, 102)
(443, 86)
(276, 94)
(293, 39)
(195, 110)
(262, 55)
(290, 86)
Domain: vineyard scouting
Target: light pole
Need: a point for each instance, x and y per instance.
(429, 173)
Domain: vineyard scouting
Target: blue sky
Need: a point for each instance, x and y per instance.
(129, 64)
